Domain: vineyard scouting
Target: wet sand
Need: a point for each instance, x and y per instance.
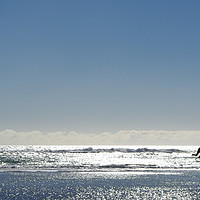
(100, 185)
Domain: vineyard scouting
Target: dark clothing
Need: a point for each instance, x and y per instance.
(198, 151)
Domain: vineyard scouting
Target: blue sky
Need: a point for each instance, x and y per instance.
(94, 66)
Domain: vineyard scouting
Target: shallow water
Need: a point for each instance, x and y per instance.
(99, 172)
(104, 185)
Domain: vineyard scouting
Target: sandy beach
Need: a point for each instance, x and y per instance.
(135, 185)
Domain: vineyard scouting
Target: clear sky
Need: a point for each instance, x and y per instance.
(95, 66)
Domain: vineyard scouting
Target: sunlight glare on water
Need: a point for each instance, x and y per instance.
(97, 158)
(99, 172)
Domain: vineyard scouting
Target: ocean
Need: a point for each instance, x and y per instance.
(99, 172)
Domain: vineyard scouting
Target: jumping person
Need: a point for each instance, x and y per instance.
(196, 154)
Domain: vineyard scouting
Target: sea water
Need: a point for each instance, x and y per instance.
(97, 158)
(99, 172)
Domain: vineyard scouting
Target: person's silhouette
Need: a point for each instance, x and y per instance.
(196, 154)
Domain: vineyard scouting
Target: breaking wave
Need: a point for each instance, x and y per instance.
(92, 150)
(96, 158)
